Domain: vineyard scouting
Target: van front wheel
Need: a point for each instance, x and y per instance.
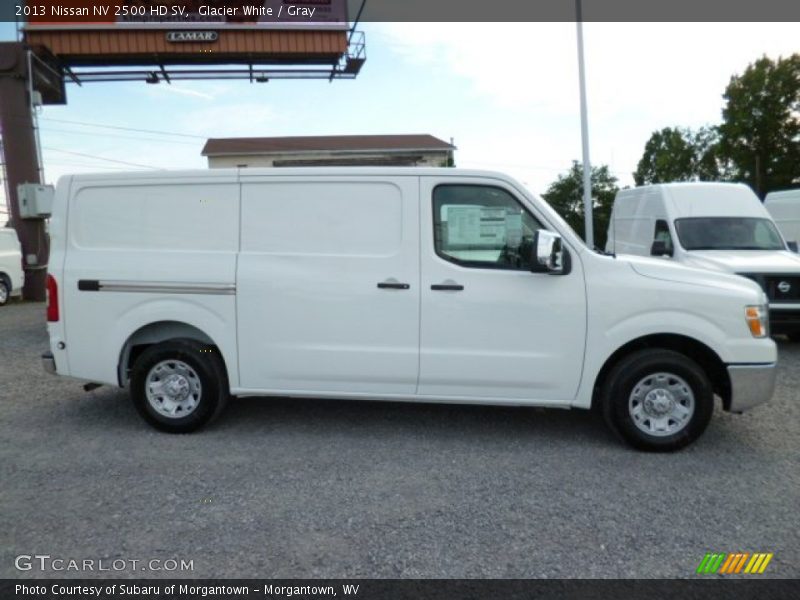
(179, 386)
(658, 400)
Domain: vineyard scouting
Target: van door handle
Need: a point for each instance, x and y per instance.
(390, 285)
(447, 287)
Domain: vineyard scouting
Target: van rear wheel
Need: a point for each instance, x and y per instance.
(179, 386)
(658, 400)
(5, 291)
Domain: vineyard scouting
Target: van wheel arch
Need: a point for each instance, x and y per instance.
(156, 333)
(704, 356)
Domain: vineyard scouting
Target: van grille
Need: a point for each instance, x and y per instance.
(779, 288)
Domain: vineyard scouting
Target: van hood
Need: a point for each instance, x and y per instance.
(667, 270)
(745, 261)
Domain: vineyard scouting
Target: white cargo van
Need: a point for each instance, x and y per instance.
(784, 207)
(12, 277)
(718, 226)
(405, 284)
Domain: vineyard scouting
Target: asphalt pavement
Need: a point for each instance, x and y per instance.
(284, 488)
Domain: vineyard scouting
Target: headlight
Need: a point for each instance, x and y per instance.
(757, 318)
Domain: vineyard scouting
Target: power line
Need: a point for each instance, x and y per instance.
(63, 163)
(113, 160)
(103, 126)
(118, 136)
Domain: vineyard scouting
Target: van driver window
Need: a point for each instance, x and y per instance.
(662, 234)
(483, 227)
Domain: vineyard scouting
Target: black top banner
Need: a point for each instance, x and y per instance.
(568, 10)
(466, 10)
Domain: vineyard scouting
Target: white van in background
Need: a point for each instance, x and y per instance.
(784, 207)
(401, 284)
(718, 226)
(12, 277)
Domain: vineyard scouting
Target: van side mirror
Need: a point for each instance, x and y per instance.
(659, 248)
(548, 254)
(792, 246)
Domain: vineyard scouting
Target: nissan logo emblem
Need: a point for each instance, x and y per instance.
(784, 287)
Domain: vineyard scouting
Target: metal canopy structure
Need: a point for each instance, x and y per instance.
(100, 47)
(100, 52)
(347, 67)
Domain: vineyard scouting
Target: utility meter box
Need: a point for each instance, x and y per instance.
(35, 200)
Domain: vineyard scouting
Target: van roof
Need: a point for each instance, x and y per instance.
(783, 197)
(784, 206)
(708, 199)
(8, 232)
(243, 173)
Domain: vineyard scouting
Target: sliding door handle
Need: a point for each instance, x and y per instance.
(390, 285)
(447, 287)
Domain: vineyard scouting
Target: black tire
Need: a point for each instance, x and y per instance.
(5, 291)
(617, 398)
(208, 368)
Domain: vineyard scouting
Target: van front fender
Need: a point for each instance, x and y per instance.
(603, 342)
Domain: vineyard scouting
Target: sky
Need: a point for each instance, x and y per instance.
(507, 93)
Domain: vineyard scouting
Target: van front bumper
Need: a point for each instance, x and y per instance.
(49, 363)
(751, 385)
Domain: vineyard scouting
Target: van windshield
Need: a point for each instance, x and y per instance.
(728, 233)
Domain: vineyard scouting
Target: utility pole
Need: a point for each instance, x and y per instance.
(587, 167)
(22, 162)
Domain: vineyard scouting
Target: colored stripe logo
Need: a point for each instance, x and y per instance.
(735, 562)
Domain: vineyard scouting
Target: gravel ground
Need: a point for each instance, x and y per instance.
(318, 488)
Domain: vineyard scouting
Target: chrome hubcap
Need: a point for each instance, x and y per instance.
(3, 292)
(661, 404)
(173, 389)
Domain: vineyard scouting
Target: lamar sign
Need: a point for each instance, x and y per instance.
(192, 36)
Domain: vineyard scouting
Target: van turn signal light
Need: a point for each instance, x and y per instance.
(756, 317)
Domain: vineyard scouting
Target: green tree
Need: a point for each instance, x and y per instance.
(680, 154)
(709, 162)
(760, 132)
(565, 195)
(668, 156)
